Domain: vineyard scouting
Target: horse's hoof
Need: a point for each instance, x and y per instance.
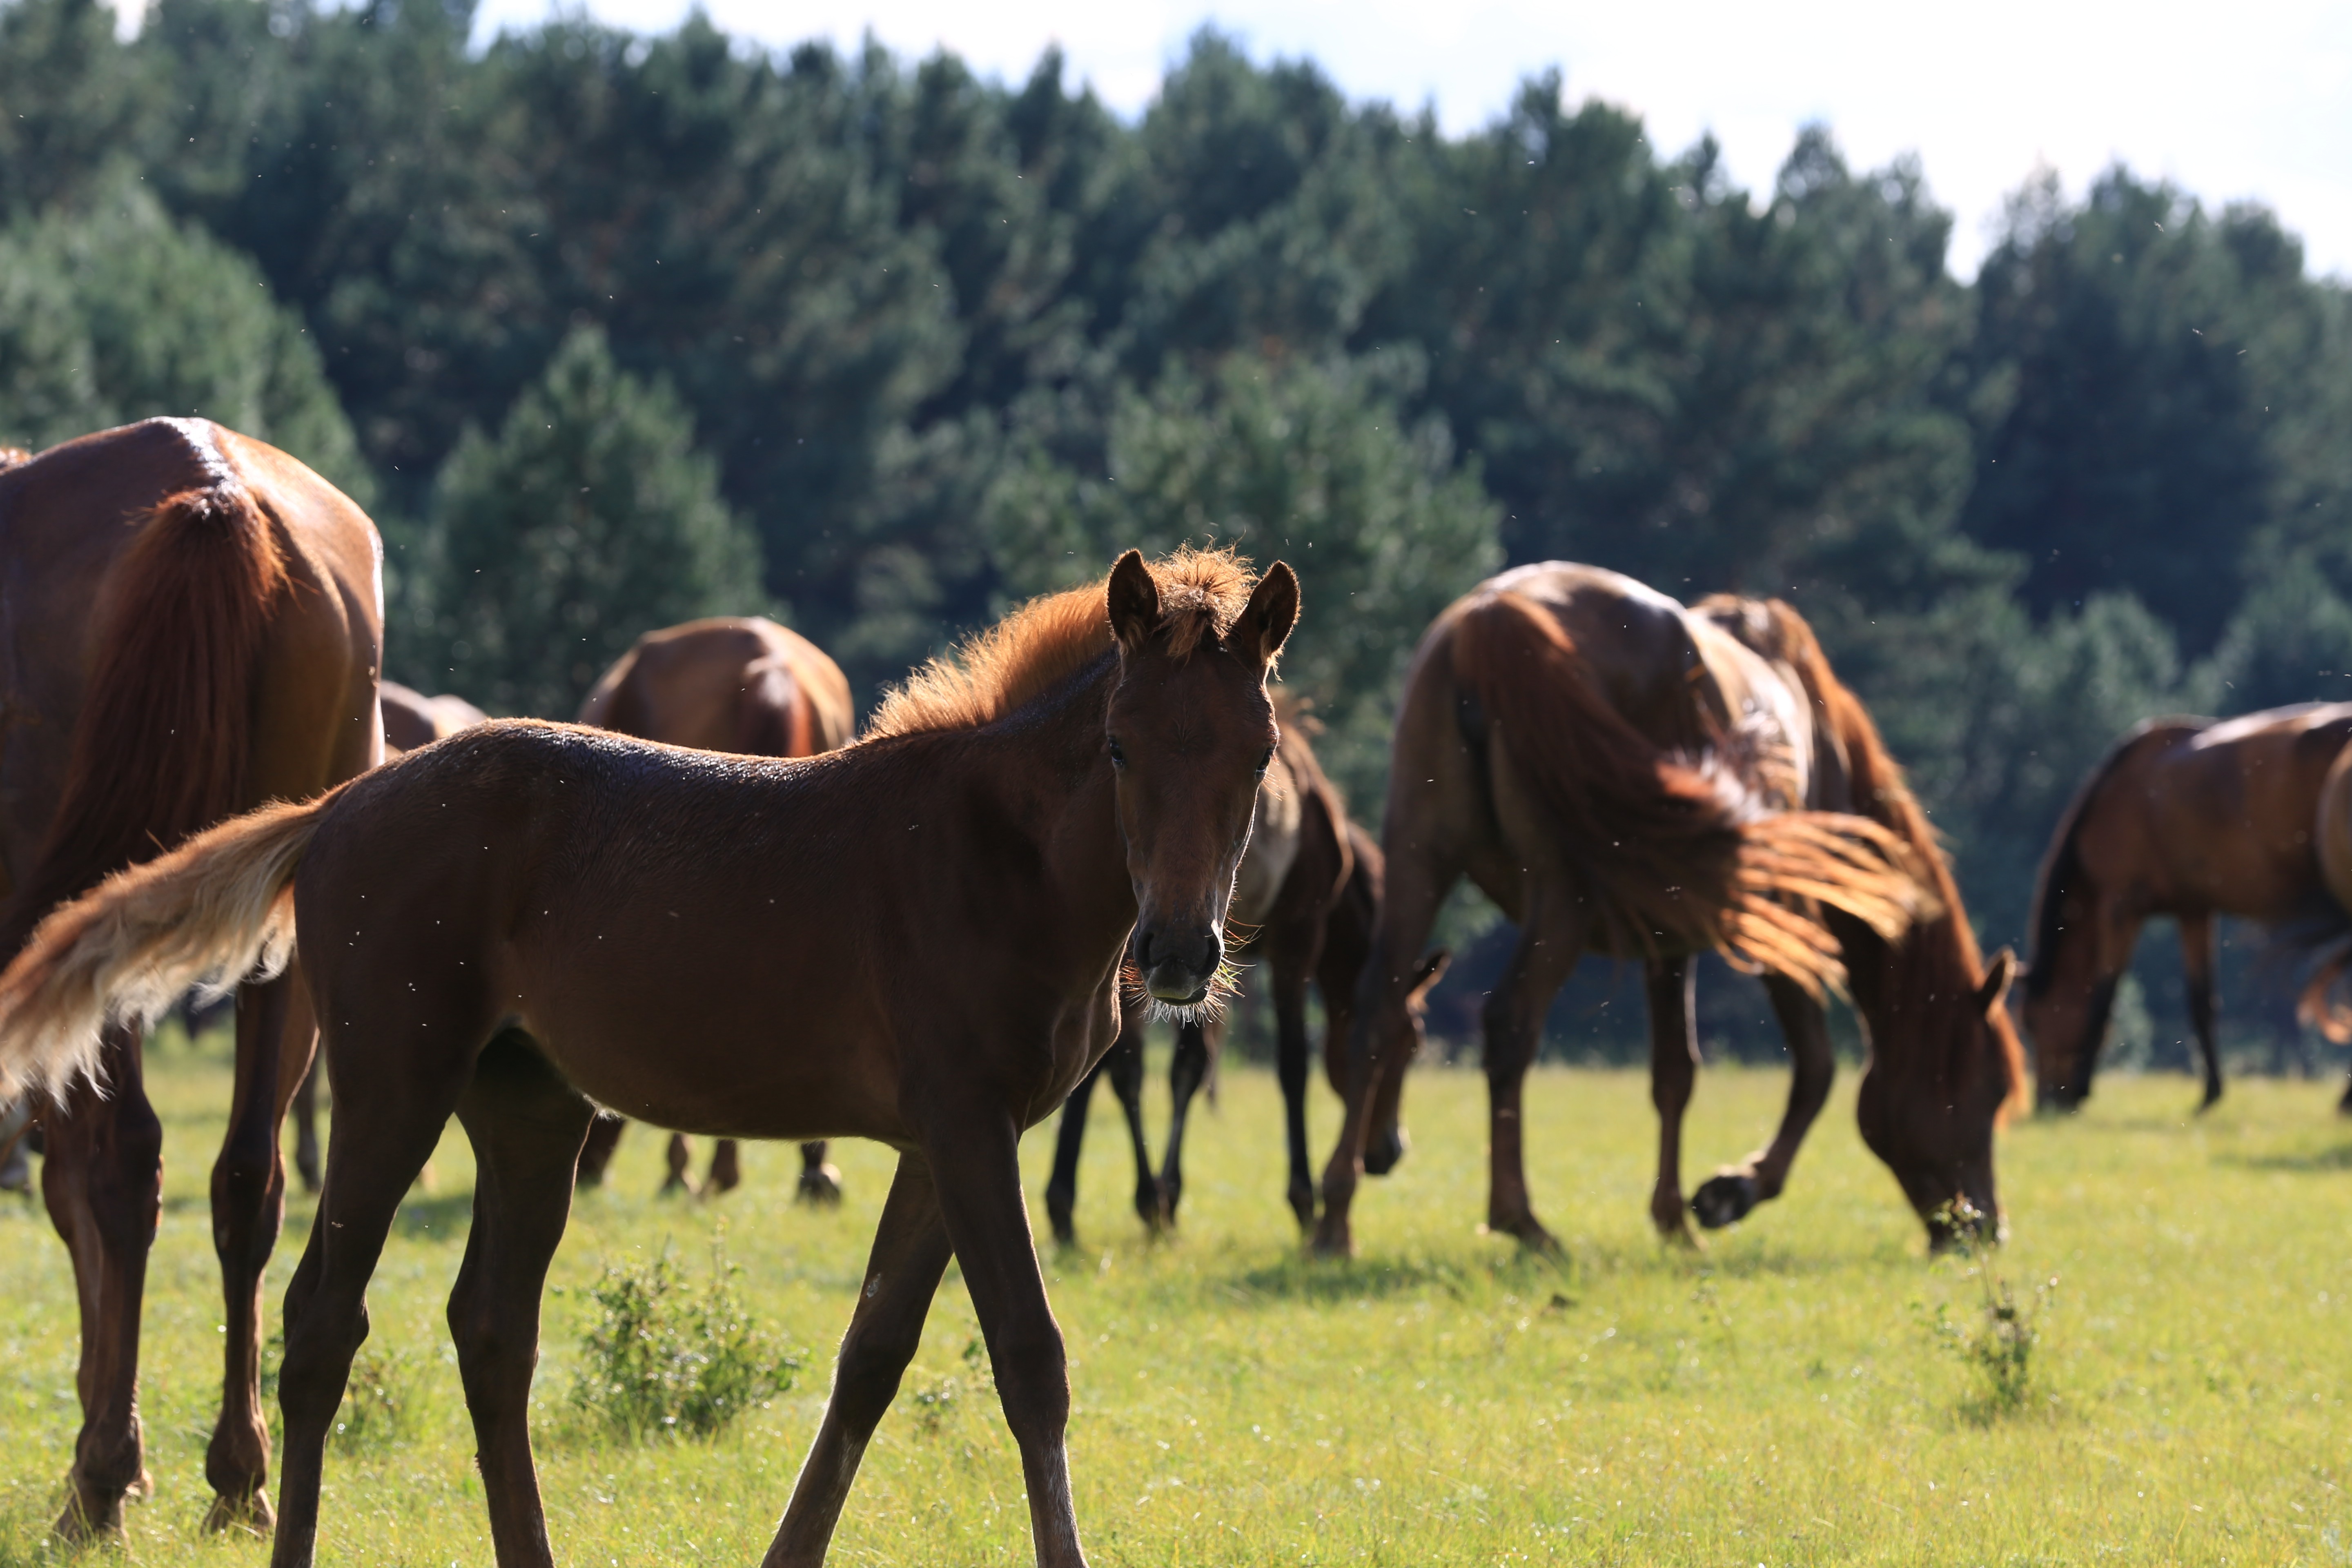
(820, 1186)
(1383, 1154)
(87, 1517)
(1722, 1198)
(250, 1514)
(1302, 1203)
(1334, 1240)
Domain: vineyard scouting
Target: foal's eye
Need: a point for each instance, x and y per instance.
(1266, 762)
(1118, 754)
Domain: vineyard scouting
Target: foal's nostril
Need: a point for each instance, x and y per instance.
(1143, 950)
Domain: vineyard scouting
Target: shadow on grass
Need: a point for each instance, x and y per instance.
(1302, 1278)
(442, 1216)
(2310, 1162)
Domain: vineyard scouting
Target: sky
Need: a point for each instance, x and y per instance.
(2252, 100)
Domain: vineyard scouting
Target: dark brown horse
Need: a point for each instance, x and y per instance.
(747, 686)
(2188, 819)
(916, 939)
(1629, 777)
(189, 626)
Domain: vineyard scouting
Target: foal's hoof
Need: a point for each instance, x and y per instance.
(1302, 1203)
(1528, 1231)
(1383, 1150)
(1333, 1238)
(250, 1514)
(1724, 1198)
(820, 1186)
(90, 1515)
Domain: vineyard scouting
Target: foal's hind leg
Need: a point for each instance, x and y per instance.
(1548, 950)
(1187, 1070)
(1674, 1068)
(596, 1151)
(911, 1253)
(1290, 1069)
(1069, 1144)
(680, 1162)
(820, 1178)
(726, 1172)
(2197, 975)
(1124, 1066)
(526, 1125)
(275, 1040)
(102, 1177)
(306, 1128)
(1730, 1193)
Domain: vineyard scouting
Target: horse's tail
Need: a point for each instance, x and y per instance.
(1673, 849)
(215, 911)
(162, 745)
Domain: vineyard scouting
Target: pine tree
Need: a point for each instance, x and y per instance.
(589, 519)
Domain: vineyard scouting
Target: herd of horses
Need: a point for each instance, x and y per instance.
(967, 912)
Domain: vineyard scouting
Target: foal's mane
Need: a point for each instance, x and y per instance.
(1049, 639)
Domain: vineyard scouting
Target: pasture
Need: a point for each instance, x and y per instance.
(1781, 1398)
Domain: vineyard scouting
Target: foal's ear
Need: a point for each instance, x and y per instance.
(1260, 628)
(1134, 602)
(1995, 984)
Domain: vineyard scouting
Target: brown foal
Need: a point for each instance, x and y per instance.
(916, 939)
(739, 684)
(189, 626)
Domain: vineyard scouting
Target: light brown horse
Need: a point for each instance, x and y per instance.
(2188, 819)
(412, 719)
(917, 940)
(1626, 776)
(1304, 902)
(189, 626)
(739, 684)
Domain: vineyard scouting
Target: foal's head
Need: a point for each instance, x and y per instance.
(1190, 733)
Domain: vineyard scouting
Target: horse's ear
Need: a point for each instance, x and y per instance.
(1260, 628)
(1995, 984)
(1134, 602)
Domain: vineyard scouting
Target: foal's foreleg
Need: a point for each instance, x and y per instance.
(1069, 1144)
(1290, 1069)
(911, 1253)
(1731, 1191)
(1124, 1067)
(526, 1125)
(2197, 976)
(1187, 1070)
(1674, 1071)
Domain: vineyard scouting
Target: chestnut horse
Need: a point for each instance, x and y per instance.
(2188, 819)
(191, 627)
(918, 938)
(744, 685)
(412, 719)
(1626, 776)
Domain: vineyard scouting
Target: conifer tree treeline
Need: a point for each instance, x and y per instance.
(949, 340)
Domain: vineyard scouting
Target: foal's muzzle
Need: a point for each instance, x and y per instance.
(1178, 964)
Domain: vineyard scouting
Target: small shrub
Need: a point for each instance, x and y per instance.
(935, 1403)
(380, 1402)
(1998, 1345)
(665, 1358)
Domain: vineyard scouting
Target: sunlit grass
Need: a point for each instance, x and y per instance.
(1781, 1398)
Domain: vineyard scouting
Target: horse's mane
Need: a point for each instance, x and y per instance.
(1049, 639)
(1882, 794)
(2063, 863)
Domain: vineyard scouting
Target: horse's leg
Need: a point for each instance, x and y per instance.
(1069, 1143)
(911, 1253)
(274, 1045)
(526, 1125)
(1731, 1191)
(726, 1172)
(1547, 951)
(306, 1128)
(975, 1151)
(1290, 1069)
(820, 1180)
(2197, 974)
(1187, 1070)
(1124, 1066)
(15, 1167)
(1674, 1070)
(680, 1161)
(102, 1177)
(596, 1151)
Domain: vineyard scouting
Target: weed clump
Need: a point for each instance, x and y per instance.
(1997, 1341)
(663, 1357)
(381, 1404)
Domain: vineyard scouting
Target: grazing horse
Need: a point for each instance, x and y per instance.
(1304, 901)
(918, 938)
(747, 686)
(412, 719)
(2188, 819)
(189, 626)
(1623, 775)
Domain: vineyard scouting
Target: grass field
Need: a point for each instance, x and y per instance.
(1782, 1397)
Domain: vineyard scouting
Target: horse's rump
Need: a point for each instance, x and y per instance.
(1671, 848)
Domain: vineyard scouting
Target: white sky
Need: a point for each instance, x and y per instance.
(2251, 100)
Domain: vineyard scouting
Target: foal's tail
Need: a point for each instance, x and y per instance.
(211, 913)
(1675, 851)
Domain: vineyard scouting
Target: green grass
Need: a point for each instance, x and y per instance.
(1782, 1397)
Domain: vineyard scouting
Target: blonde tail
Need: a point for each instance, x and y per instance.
(215, 911)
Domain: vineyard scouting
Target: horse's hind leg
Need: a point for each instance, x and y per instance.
(1730, 1193)
(2197, 975)
(306, 1128)
(596, 1151)
(1290, 1071)
(1674, 1071)
(1124, 1066)
(820, 1178)
(679, 1159)
(911, 1253)
(1547, 951)
(1069, 1143)
(726, 1172)
(1187, 1070)
(526, 1125)
(102, 1177)
(275, 1036)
